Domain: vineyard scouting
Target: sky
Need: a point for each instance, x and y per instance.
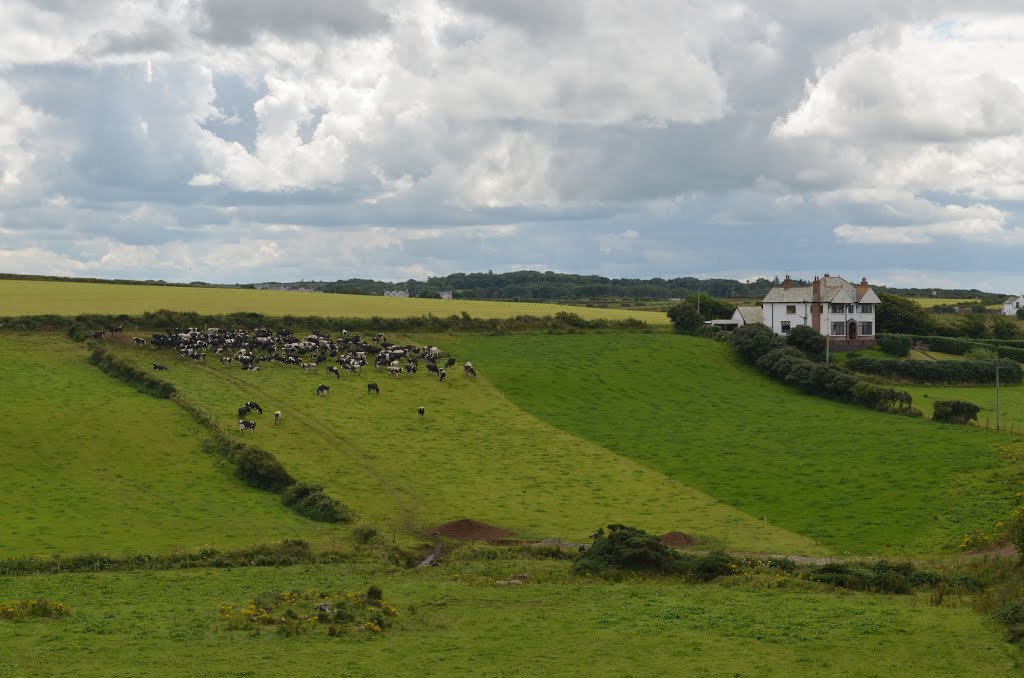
(249, 140)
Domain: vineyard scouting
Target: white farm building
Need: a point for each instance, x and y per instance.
(831, 305)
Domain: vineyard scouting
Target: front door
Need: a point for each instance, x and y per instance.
(851, 330)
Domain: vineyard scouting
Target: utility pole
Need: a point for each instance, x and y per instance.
(997, 396)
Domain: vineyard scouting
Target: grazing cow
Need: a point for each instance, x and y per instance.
(331, 369)
(421, 411)
(115, 330)
(470, 372)
(243, 410)
(98, 335)
(442, 374)
(277, 417)
(323, 389)
(394, 370)
(410, 368)
(139, 341)
(159, 368)
(450, 362)
(432, 367)
(253, 405)
(372, 388)
(244, 424)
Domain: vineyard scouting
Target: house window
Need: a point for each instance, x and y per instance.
(838, 329)
(791, 310)
(865, 328)
(851, 308)
(865, 308)
(837, 308)
(785, 327)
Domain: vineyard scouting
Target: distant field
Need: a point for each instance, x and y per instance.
(475, 455)
(455, 621)
(856, 480)
(1011, 400)
(91, 465)
(928, 302)
(32, 297)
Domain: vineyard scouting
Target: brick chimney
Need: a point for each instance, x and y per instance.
(862, 288)
(816, 304)
(787, 283)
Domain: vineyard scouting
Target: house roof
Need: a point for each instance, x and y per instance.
(751, 314)
(833, 290)
(1013, 299)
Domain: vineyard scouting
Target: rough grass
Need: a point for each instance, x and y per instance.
(856, 480)
(928, 302)
(36, 297)
(475, 455)
(89, 465)
(455, 621)
(1011, 401)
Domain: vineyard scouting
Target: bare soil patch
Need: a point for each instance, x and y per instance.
(469, 529)
(677, 539)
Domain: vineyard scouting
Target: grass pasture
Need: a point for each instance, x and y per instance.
(91, 465)
(455, 621)
(39, 297)
(475, 455)
(857, 481)
(928, 302)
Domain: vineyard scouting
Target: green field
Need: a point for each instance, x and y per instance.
(35, 297)
(454, 621)
(1011, 401)
(928, 302)
(560, 434)
(857, 481)
(91, 465)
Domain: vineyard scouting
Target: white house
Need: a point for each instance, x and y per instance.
(1012, 305)
(830, 305)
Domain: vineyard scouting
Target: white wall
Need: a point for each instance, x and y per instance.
(775, 314)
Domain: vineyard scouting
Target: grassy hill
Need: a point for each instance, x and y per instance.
(38, 297)
(91, 465)
(855, 480)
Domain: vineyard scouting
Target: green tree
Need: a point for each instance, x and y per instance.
(808, 340)
(1020, 314)
(901, 315)
(974, 326)
(685, 317)
(711, 308)
(1004, 328)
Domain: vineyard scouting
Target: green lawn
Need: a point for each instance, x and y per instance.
(856, 480)
(36, 297)
(91, 465)
(476, 455)
(455, 621)
(1011, 401)
(928, 302)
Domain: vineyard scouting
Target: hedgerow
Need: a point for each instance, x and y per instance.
(896, 344)
(940, 371)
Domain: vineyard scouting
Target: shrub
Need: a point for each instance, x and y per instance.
(711, 566)
(880, 397)
(627, 549)
(312, 502)
(940, 371)
(896, 344)
(261, 469)
(808, 340)
(955, 411)
(754, 340)
(365, 534)
(684, 317)
(981, 353)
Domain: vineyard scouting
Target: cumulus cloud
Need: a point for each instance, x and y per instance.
(237, 141)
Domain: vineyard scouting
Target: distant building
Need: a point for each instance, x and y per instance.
(743, 315)
(396, 293)
(1012, 305)
(445, 294)
(831, 305)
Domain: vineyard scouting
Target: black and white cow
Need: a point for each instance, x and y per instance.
(331, 369)
(159, 368)
(432, 367)
(253, 405)
(323, 389)
(442, 374)
(245, 424)
(243, 411)
(421, 411)
(372, 388)
(139, 341)
(450, 362)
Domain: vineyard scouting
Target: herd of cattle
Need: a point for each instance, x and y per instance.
(350, 353)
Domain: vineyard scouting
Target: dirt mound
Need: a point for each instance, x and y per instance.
(468, 528)
(677, 539)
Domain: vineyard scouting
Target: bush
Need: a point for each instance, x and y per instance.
(880, 397)
(684, 317)
(940, 371)
(365, 534)
(896, 344)
(754, 340)
(955, 411)
(312, 502)
(627, 549)
(808, 340)
(261, 469)
(712, 566)
(981, 353)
